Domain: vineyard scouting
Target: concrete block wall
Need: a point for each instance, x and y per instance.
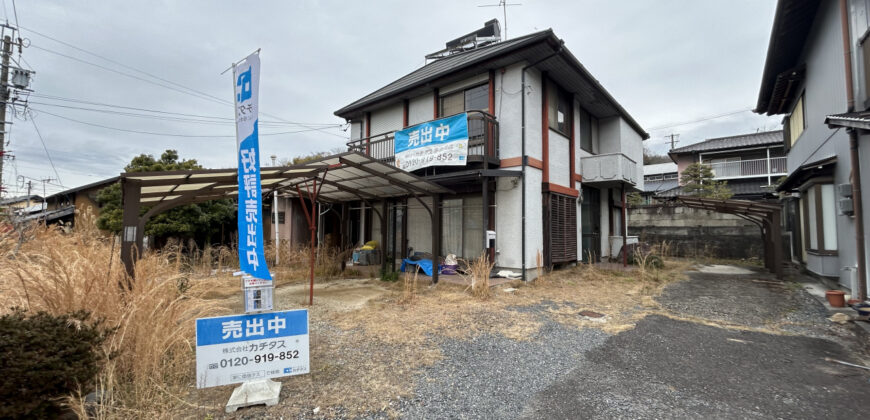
(696, 233)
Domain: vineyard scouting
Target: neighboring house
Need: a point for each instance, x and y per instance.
(659, 178)
(815, 48)
(69, 205)
(749, 163)
(17, 204)
(550, 155)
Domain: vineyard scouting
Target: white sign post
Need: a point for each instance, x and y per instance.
(251, 349)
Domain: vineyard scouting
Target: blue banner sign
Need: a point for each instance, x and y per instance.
(442, 142)
(250, 214)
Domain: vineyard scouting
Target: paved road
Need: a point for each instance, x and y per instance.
(665, 368)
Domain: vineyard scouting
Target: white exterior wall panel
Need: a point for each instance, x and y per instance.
(560, 159)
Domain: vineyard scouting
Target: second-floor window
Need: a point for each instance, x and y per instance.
(472, 99)
(559, 109)
(585, 131)
(796, 121)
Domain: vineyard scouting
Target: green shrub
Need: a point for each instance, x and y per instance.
(44, 358)
(388, 275)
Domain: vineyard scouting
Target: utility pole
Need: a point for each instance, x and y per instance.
(4, 97)
(45, 200)
(673, 138)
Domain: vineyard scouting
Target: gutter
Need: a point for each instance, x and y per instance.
(855, 158)
(525, 158)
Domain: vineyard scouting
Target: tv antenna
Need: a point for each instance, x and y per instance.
(504, 5)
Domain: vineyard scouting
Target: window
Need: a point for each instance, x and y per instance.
(472, 99)
(585, 131)
(820, 221)
(796, 121)
(462, 226)
(559, 109)
(280, 217)
(672, 176)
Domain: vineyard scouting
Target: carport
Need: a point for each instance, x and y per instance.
(766, 216)
(337, 179)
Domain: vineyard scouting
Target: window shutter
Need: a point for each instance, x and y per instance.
(562, 229)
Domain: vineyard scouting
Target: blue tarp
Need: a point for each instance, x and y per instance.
(425, 265)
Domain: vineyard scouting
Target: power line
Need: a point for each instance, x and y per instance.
(188, 90)
(130, 67)
(228, 119)
(207, 120)
(172, 134)
(132, 76)
(35, 127)
(712, 117)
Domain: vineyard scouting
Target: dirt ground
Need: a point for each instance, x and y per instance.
(378, 351)
(369, 337)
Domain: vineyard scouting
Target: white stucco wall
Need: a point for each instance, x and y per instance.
(508, 96)
(421, 109)
(631, 144)
(560, 159)
(509, 222)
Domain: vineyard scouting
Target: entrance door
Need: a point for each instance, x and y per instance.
(590, 217)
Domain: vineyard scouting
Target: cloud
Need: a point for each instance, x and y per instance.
(665, 61)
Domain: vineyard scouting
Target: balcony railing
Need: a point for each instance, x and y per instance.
(611, 168)
(482, 140)
(749, 168)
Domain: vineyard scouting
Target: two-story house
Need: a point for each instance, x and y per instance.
(749, 163)
(551, 154)
(815, 48)
(659, 178)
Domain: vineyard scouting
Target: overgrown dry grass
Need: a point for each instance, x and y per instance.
(362, 357)
(152, 350)
(477, 275)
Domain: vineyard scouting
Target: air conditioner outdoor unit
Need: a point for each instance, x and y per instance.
(845, 190)
(846, 206)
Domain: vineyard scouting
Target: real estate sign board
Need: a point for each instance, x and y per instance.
(442, 142)
(239, 348)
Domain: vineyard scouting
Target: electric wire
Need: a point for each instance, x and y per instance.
(42, 111)
(38, 134)
(711, 117)
(188, 90)
(212, 117)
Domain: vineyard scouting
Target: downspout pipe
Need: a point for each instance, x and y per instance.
(855, 158)
(523, 157)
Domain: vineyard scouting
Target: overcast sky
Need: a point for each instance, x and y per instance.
(666, 62)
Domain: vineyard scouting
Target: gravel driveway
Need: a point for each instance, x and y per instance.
(663, 368)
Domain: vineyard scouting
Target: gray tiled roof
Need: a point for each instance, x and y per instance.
(660, 186)
(733, 142)
(738, 189)
(444, 66)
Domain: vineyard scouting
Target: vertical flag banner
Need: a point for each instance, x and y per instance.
(246, 76)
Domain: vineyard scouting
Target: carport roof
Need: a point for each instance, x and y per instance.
(347, 176)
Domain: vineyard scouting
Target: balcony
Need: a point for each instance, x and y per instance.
(749, 168)
(482, 141)
(609, 170)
